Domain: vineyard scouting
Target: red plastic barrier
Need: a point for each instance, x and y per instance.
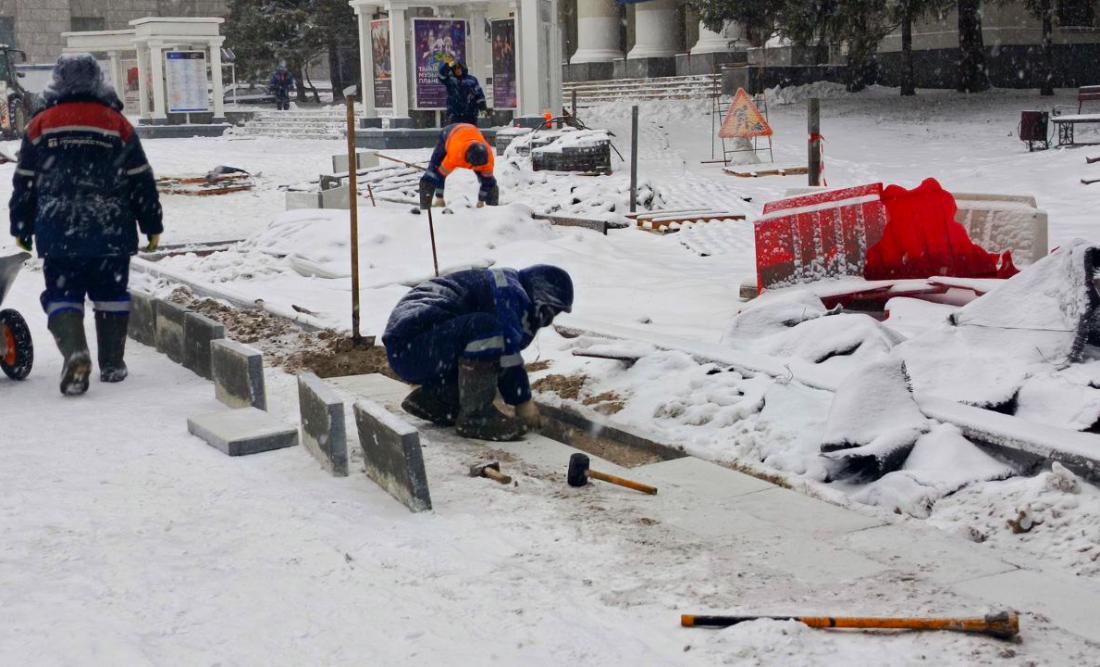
(819, 235)
(922, 239)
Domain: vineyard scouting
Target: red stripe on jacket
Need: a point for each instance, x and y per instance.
(80, 115)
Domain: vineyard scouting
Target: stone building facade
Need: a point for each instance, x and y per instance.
(606, 39)
(35, 26)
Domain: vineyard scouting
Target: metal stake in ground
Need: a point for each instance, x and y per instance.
(813, 124)
(431, 230)
(633, 158)
(353, 199)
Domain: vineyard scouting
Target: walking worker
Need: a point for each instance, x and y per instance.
(280, 84)
(465, 98)
(460, 146)
(459, 337)
(82, 191)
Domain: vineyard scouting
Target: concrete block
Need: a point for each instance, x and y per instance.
(803, 514)
(242, 432)
(365, 160)
(696, 478)
(143, 318)
(238, 374)
(170, 335)
(339, 197)
(300, 200)
(323, 432)
(391, 450)
(1072, 603)
(198, 333)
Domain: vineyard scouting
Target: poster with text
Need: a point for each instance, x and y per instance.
(131, 87)
(185, 72)
(435, 41)
(383, 66)
(504, 64)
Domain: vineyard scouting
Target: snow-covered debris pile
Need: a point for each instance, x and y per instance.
(873, 422)
(1025, 332)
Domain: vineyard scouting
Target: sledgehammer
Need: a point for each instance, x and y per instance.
(1003, 625)
(490, 470)
(579, 473)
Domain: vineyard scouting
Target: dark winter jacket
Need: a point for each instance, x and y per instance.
(464, 95)
(512, 296)
(83, 187)
(281, 82)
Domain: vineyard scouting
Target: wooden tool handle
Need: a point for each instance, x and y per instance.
(1003, 626)
(611, 479)
(496, 475)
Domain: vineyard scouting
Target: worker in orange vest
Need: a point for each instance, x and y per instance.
(461, 146)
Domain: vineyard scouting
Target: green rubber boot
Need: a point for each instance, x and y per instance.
(68, 331)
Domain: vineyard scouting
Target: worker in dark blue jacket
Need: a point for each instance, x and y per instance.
(460, 336)
(82, 191)
(280, 84)
(465, 98)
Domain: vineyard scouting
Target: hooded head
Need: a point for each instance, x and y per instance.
(459, 68)
(78, 76)
(550, 289)
(477, 155)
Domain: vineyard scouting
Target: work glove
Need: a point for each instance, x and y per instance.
(528, 413)
(154, 243)
(490, 196)
(481, 204)
(25, 242)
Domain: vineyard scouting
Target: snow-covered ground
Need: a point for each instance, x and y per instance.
(661, 285)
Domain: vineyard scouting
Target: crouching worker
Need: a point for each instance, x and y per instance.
(460, 146)
(82, 190)
(459, 337)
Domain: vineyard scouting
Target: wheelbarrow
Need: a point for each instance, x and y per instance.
(16, 347)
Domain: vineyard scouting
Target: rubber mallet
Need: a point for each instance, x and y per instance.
(1003, 625)
(490, 470)
(579, 473)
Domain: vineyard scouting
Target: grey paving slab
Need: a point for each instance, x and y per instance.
(238, 373)
(802, 514)
(936, 556)
(392, 455)
(242, 432)
(374, 387)
(198, 332)
(542, 452)
(1070, 602)
(323, 429)
(693, 476)
(143, 318)
(170, 336)
(810, 559)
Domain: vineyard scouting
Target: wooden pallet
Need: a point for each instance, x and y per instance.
(747, 172)
(664, 222)
(201, 186)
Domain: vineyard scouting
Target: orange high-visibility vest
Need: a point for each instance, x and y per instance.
(460, 139)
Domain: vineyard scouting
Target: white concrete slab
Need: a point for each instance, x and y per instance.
(696, 477)
(243, 431)
(373, 387)
(1070, 602)
(802, 514)
(936, 556)
(811, 560)
(542, 452)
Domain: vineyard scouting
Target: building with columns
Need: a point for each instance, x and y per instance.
(36, 26)
(617, 39)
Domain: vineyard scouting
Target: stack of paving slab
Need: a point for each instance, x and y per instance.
(334, 192)
(328, 123)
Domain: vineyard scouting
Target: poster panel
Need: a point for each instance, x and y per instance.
(504, 64)
(383, 65)
(185, 72)
(435, 41)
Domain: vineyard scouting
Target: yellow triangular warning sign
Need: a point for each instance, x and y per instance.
(744, 120)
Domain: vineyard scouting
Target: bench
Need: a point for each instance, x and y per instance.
(1065, 125)
(1087, 94)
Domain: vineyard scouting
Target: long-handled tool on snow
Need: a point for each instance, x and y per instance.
(431, 230)
(1003, 625)
(1090, 181)
(413, 165)
(490, 470)
(580, 473)
(353, 194)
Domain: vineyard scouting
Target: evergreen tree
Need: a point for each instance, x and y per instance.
(758, 18)
(1044, 11)
(905, 12)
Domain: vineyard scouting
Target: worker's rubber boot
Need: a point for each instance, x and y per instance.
(478, 418)
(110, 330)
(68, 331)
(437, 404)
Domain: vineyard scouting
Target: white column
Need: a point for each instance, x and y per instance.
(143, 89)
(399, 57)
(156, 67)
(654, 29)
(598, 25)
(478, 56)
(118, 83)
(527, 31)
(216, 79)
(366, 60)
(731, 38)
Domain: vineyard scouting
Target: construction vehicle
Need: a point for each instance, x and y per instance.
(18, 102)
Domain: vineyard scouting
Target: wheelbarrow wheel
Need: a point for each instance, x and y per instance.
(18, 348)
